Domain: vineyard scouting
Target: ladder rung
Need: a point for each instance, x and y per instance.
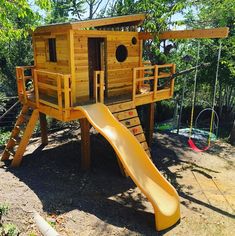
(11, 152)
(16, 139)
(20, 127)
(25, 117)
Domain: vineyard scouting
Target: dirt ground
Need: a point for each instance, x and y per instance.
(102, 202)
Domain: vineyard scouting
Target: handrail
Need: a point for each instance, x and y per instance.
(21, 80)
(152, 73)
(98, 83)
(61, 87)
(9, 110)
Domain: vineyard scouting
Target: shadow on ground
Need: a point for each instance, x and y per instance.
(54, 175)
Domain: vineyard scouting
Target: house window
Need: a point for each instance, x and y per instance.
(134, 40)
(51, 50)
(121, 53)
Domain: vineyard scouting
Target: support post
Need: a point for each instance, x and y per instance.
(150, 124)
(85, 144)
(43, 126)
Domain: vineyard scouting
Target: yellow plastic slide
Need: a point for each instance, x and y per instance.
(136, 162)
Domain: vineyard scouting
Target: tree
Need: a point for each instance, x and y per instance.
(216, 13)
(67, 10)
(59, 11)
(13, 13)
(232, 135)
(17, 20)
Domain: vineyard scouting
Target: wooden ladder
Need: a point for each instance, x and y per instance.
(20, 135)
(126, 113)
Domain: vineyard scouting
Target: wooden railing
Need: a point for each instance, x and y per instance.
(53, 89)
(98, 86)
(24, 76)
(44, 89)
(152, 80)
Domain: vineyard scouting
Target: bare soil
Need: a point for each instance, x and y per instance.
(102, 202)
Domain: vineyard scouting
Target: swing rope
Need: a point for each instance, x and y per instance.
(190, 141)
(194, 91)
(214, 97)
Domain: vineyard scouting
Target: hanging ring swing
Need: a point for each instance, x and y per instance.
(190, 140)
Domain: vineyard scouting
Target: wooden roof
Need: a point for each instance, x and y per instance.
(128, 20)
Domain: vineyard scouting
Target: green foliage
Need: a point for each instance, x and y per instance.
(9, 230)
(4, 137)
(59, 11)
(17, 18)
(4, 208)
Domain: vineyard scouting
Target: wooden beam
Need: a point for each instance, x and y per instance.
(85, 144)
(187, 34)
(150, 124)
(135, 19)
(72, 66)
(25, 139)
(43, 126)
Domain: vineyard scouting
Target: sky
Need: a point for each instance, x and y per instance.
(176, 17)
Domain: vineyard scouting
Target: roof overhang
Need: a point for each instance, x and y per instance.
(118, 21)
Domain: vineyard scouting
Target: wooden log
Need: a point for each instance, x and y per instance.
(43, 126)
(187, 34)
(150, 124)
(85, 144)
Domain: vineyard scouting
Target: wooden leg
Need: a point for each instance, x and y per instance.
(150, 124)
(43, 125)
(85, 141)
(25, 139)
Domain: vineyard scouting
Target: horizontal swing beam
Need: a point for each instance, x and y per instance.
(187, 34)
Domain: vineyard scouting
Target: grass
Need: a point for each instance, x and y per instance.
(164, 126)
(8, 229)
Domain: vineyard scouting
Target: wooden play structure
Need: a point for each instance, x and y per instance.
(93, 71)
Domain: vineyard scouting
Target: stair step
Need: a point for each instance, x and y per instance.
(124, 115)
(121, 107)
(131, 122)
(136, 130)
(140, 137)
(144, 145)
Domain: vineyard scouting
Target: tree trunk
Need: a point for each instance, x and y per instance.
(232, 135)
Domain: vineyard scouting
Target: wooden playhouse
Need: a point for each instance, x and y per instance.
(81, 66)
(85, 62)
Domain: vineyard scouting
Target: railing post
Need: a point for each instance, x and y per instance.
(95, 85)
(19, 82)
(102, 86)
(35, 77)
(134, 84)
(155, 81)
(66, 95)
(23, 85)
(172, 80)
(59, 93)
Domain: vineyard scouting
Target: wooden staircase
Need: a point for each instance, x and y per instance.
(126, 113)
(20, 135)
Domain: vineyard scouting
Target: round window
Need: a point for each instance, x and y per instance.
(121, 53)
(134, 41)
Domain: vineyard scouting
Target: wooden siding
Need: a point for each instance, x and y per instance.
(41, 58)
(81, 68)
(119, 74)
(62, 51)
